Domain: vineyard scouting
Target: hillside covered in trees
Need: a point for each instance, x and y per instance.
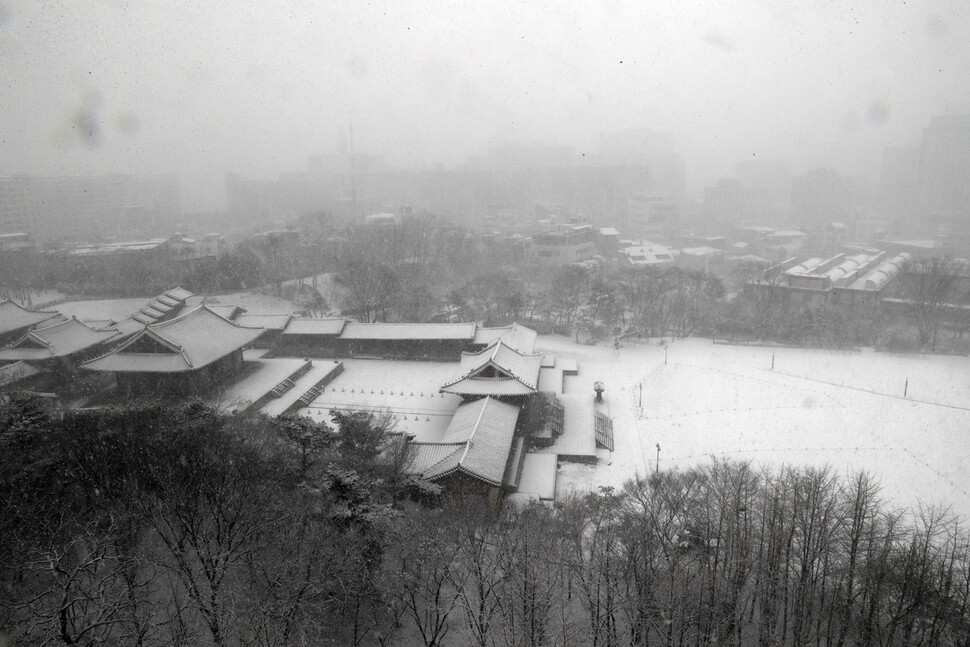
(150, 525)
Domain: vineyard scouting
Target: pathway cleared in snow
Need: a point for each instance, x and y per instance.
(841, 409)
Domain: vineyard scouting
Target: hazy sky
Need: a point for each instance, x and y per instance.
(255, 86)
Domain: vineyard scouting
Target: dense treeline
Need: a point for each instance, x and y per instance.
(425, 269)
(183, 526)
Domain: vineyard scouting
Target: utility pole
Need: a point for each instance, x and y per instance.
(641, 395)
(658, 458)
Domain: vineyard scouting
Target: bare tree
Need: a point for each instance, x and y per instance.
(930, 286)
(91, 594)
(427, 572)
(372, 287)
(479, 573)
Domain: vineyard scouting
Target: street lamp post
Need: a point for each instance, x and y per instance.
(658, 458)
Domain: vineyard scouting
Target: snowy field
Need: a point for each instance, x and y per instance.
(845, 410)
(409, 390)
(318, 371)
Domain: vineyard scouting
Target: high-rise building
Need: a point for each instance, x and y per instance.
(726, 204)
(823, 196)
(768, 184)
(944, 170)
(899, 192)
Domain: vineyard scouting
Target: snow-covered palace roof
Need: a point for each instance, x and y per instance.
(186, 343)
(60, 340)
(477, 442)
(519, 337)
(15, 317)
(496, 370)
(408, 331)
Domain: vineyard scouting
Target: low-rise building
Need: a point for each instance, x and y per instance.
(862, 279)
(571, 244)
(645, 253)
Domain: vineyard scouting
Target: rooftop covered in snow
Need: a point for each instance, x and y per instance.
(59, 340)
(476, 443)
(519, 337)
(14, 317)
(497, 370)
(186, 343)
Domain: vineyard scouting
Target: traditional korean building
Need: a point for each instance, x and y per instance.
(519, 337)
(165, 306)
(498, 370)
(477, 453)
(273, 324)
(16, 320)
(184, 355)
(60, 347)
(310, 337)
(406, 340)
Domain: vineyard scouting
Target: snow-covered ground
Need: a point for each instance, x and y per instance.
(319, 370)
(841, 409)
(328, 288)
(407, 389)
(260, 376)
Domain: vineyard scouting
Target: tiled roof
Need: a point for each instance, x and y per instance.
(179, 294)
(162, 305)
(59, 340)
(131, 325)
(409, 331)
(186, 343)
(97, 323)
(477, 441)
(14, 317)
(509, 362)
(228, 311)
(517, 336)
(427, 455)
(488, 386)
(314, 327)
(269, 322)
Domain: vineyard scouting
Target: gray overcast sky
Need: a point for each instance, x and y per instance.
(204, 87)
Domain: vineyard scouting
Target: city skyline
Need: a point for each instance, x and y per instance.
(150, 88)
